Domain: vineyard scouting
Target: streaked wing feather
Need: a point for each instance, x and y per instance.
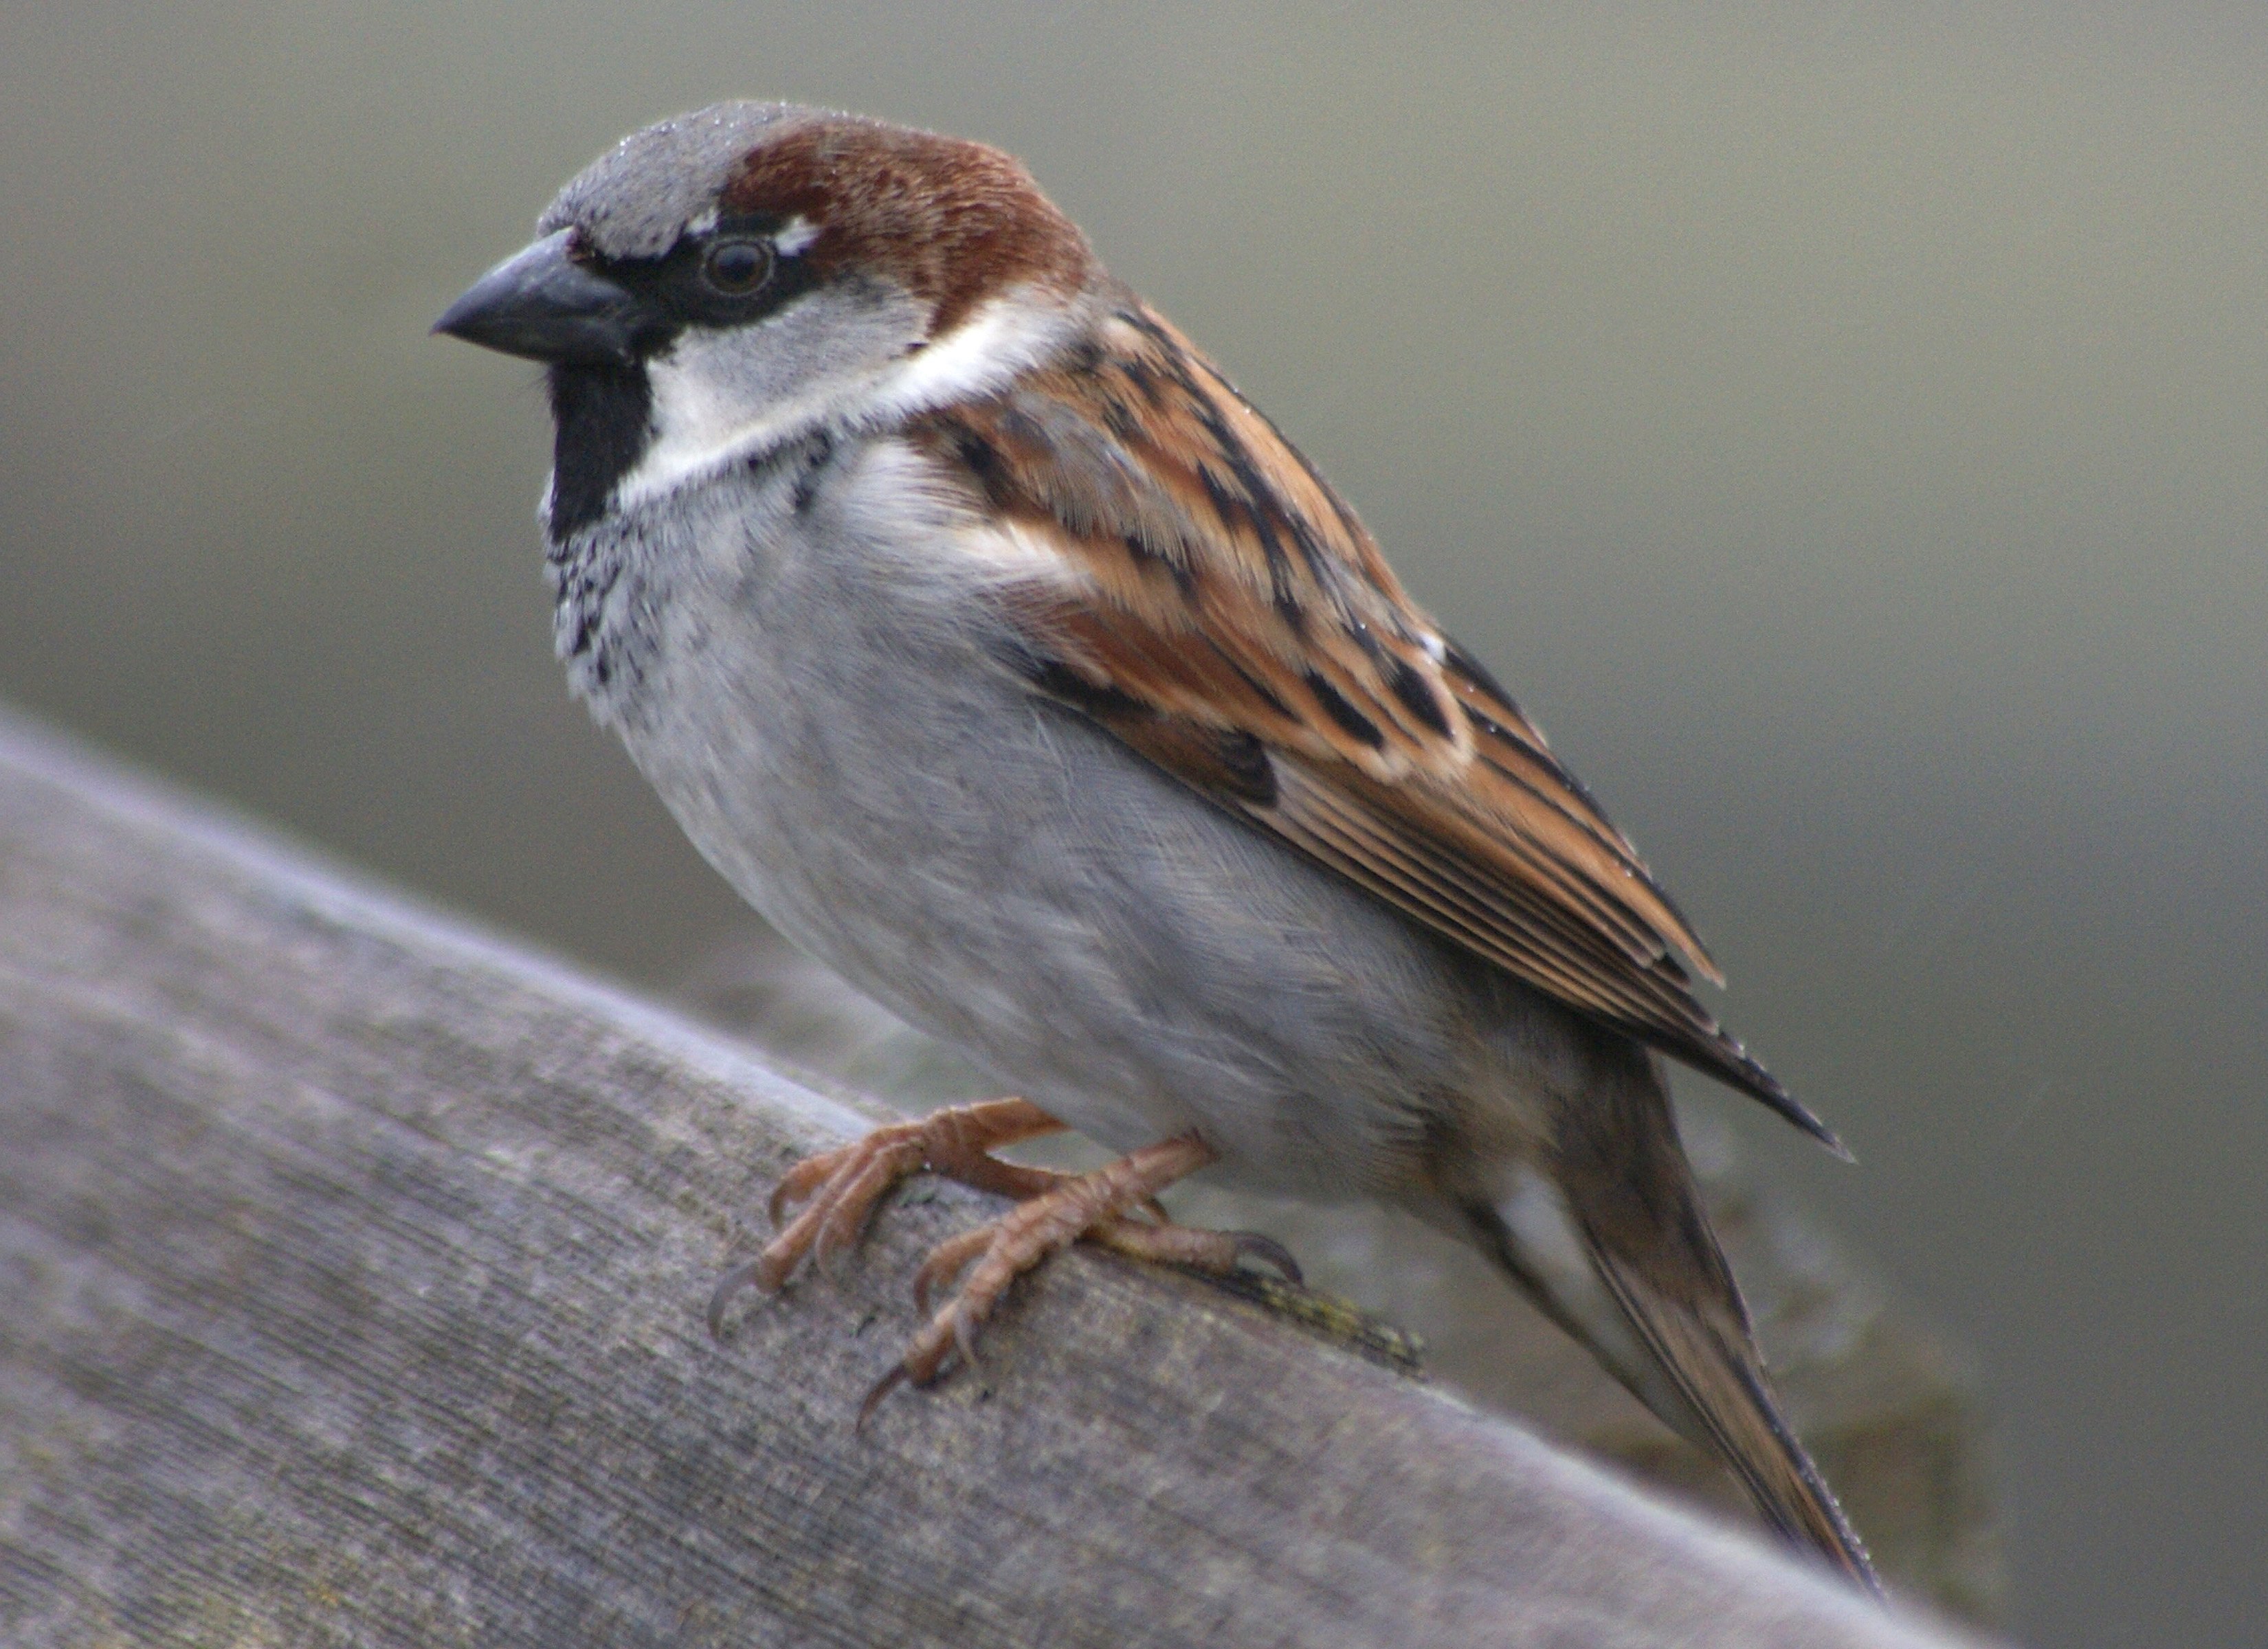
(1216, 605)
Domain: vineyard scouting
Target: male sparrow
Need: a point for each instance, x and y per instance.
(1006, 659)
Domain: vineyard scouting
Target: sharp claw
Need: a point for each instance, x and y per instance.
(1253, 1246)
(925, 1282)
(947, 1262)
(964, 1338)
(800, 1183)
(776, 1208)
(733, 1281)
(888, 1383)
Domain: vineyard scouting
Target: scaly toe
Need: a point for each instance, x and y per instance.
(849, 1204)
(1215, 1252)
(947, 1260)
(895, 1151)
(836, 1193)
(798, 1182)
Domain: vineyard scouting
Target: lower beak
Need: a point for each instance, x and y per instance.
(540, 304)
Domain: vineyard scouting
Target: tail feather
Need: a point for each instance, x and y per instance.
(1605, 1230)
(1716, 1372)
(1661, 1309)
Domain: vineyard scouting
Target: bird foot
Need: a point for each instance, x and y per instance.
(838, 1190)
(1100, 1207)
(1114, 1207)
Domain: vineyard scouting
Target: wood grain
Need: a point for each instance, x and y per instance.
(354, 1264)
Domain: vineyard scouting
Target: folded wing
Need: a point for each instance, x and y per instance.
(1201, 592)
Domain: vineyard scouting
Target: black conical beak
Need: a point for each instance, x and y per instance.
(540, 302)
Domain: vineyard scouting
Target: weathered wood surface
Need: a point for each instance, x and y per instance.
(354, 1266)
(1886, 1405)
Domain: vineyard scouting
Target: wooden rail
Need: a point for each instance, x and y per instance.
(354, 1263)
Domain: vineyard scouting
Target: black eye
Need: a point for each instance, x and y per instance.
(737, 267)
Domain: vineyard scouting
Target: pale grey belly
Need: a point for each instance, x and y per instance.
(1003, 874)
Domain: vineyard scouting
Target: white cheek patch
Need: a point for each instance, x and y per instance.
(695, 428)
(720, 398)
(1002, 338)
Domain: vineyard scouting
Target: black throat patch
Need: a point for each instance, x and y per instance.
(603, 418)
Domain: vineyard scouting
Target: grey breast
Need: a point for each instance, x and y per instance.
(819, 706)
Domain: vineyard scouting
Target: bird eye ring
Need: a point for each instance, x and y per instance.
(737, 267)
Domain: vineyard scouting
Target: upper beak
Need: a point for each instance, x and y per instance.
(542, 304)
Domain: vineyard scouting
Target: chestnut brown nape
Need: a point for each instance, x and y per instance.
(951, 220)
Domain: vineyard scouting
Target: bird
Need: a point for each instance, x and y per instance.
(1007, 660)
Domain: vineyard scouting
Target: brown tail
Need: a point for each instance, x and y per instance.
(1608, 1234)
(1711, 1361)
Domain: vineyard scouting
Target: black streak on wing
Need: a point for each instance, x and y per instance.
(1247, 761)
(1335, 705)
(983, 462)
(1058, 680)
(1410, 687)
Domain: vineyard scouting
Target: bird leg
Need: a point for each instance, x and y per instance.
(838, 1189)
(1116, 1207)
(1099, 1207)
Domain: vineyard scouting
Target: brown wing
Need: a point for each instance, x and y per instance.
(1225, 615)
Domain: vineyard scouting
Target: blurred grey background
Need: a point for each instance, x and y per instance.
(1846, 429)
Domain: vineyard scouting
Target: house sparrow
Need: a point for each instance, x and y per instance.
(1006, 659)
